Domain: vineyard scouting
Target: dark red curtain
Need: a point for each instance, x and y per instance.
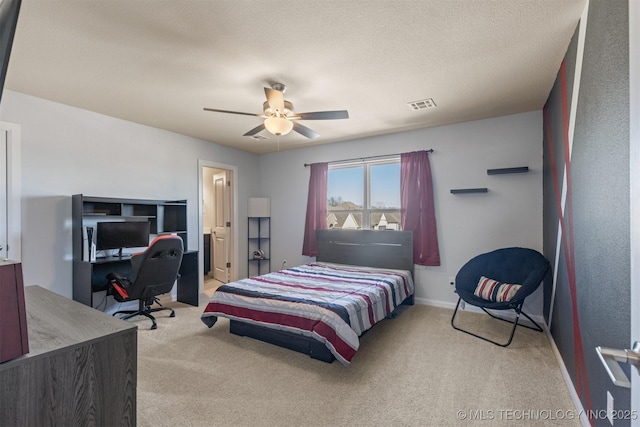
(417, 208)
(316, 207)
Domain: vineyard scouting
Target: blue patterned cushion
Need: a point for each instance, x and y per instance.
(492, 290)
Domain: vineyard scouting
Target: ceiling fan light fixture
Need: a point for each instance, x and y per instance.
(278, 125)
(279, 115)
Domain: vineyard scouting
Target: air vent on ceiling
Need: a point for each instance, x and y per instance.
(422, 104)
(259, 137)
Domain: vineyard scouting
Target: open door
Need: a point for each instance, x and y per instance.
(218, 212)
(222, 226)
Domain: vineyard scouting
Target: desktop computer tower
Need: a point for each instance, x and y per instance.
(88, 244)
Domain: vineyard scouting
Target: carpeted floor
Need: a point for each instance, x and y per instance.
(414, 370)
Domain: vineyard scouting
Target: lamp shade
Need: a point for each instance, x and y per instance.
(259, 207)
(278, 125)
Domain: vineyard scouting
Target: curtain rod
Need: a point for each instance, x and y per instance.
(430, 150)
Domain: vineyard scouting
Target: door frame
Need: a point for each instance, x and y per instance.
(634, 163)
(234, 253)
(14, 200)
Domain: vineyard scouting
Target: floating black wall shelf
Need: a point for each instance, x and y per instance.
(521, 169)
(468, 190)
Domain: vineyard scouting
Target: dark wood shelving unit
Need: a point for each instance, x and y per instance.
(259, 239)
(164, 216)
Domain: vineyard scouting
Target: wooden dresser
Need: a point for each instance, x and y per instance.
(81, 369)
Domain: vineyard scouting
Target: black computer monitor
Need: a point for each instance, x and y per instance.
(118, 235)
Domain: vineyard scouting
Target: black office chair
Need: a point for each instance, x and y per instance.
(154, 272)
(479, 283)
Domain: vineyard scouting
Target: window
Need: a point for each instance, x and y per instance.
(364, 195)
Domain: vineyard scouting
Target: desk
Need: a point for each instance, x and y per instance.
(91, 277)
(189, 280)
(81, 369)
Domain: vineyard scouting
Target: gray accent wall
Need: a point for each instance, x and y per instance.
(600, 180)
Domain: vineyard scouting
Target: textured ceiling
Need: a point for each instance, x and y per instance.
(160, 62)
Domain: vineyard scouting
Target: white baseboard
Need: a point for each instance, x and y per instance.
(435, 303)
(567, 379)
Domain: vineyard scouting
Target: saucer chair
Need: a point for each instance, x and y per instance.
(501, 280)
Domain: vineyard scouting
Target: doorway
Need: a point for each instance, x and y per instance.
(218, 226)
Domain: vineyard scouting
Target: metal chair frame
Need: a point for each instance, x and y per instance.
(144, 309)
(518, 310)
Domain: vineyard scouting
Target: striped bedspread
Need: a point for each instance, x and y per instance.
(333, 303)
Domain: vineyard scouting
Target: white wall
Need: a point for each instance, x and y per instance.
(67, 151)
(510, 214)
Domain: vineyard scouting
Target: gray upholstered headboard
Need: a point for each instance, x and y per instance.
(371, 248)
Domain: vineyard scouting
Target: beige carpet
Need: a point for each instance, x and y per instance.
(414, 370)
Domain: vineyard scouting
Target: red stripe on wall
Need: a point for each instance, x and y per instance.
(566, 224)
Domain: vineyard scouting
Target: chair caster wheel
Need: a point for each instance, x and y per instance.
(172, 314)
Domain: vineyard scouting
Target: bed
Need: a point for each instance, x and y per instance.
(359, 278)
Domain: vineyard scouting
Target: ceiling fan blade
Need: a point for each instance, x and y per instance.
(275, 99)
(255, 130)
(305, 131)
(323, 115)
(232, 112)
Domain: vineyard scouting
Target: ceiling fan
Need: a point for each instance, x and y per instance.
(280, 118)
